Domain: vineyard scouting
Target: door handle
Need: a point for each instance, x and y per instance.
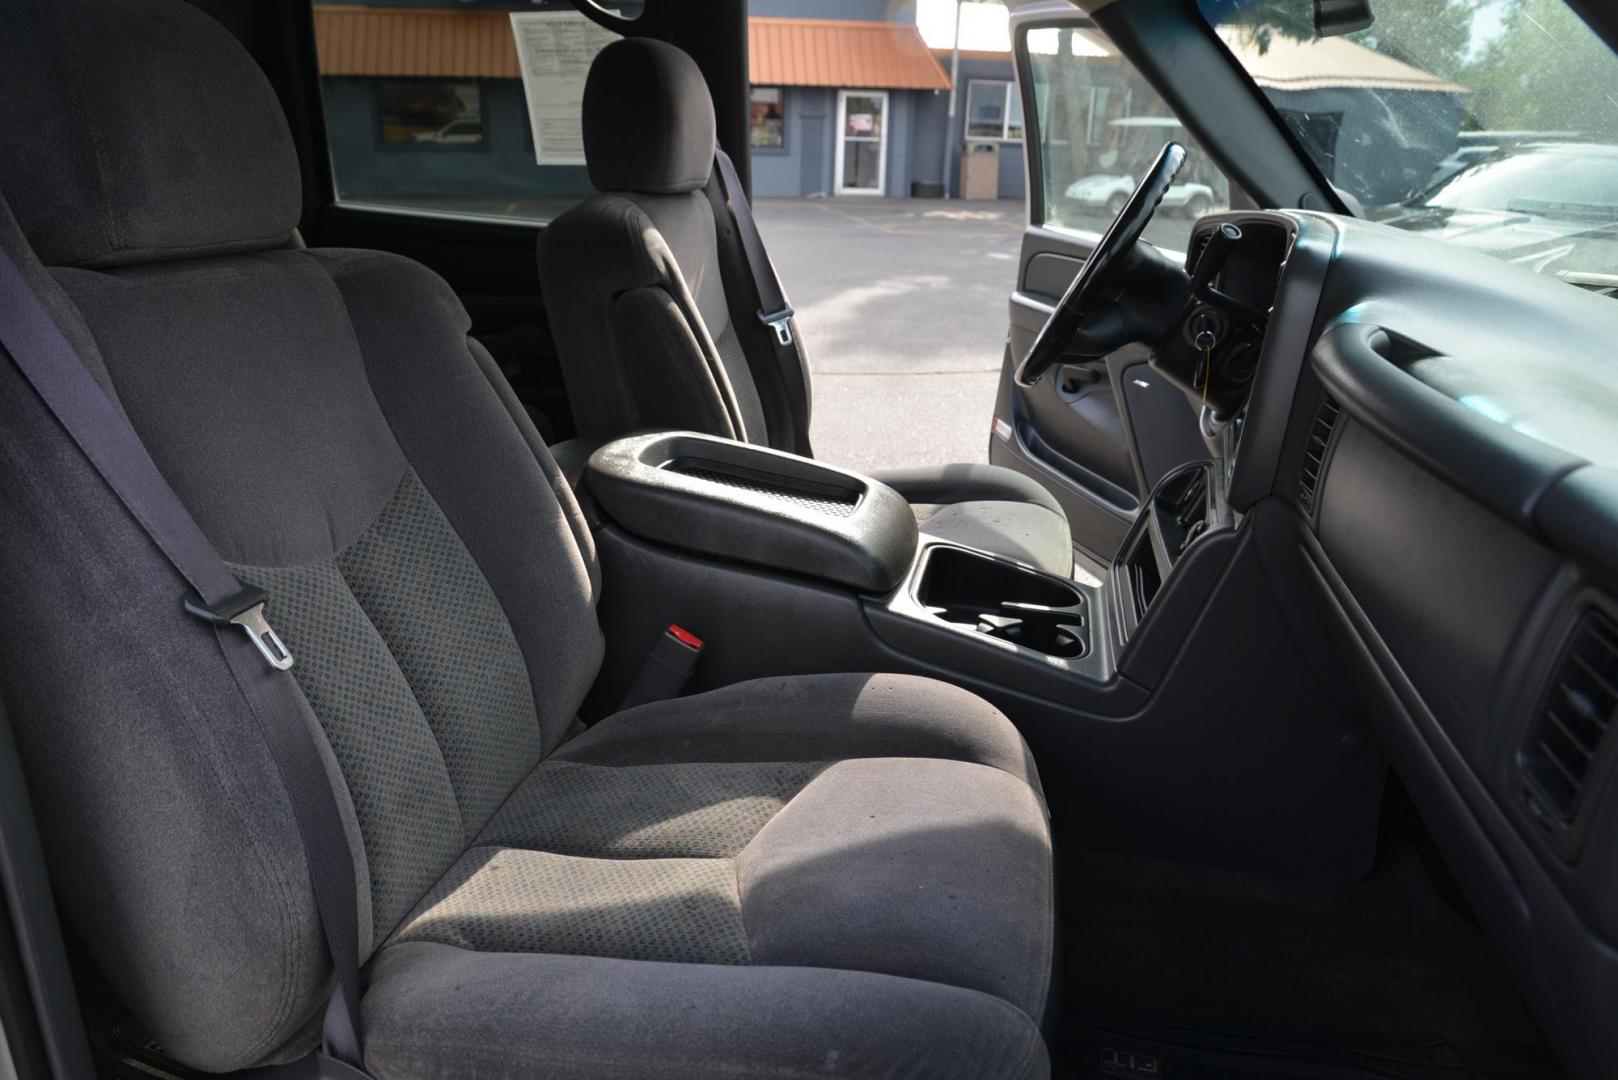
(1074, 377)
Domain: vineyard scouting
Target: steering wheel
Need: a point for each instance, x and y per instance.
(1104, 272)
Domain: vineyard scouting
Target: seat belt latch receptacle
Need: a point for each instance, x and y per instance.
(246, 610)
(667, 667)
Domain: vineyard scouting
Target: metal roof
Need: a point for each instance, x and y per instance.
(840, 52)
(452, 43)
(441, 42)
(1282, 63)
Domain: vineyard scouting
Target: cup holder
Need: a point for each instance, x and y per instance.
(1005, 601)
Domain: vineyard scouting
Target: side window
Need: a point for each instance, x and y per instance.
(1099, 126)
(445, 108)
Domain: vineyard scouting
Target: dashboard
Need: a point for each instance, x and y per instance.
(1445, 426)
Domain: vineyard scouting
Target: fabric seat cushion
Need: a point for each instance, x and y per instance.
(438, 1011)
(628, 851)
(852, 873)
(853, 715)
(990, 508)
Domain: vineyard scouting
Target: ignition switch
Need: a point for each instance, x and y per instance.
(1205, 329)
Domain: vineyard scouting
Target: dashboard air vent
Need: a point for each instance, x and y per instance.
(1314, 452)
(1576, 714)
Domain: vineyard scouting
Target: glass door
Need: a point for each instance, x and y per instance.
(862, 141)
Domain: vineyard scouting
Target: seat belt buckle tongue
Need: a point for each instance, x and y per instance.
(778, 322)
(246, 610)
(667, 667)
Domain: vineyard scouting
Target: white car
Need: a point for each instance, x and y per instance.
(1110, 192)
(462, 132)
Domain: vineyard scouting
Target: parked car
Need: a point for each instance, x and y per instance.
(1552, 206)
(1472, 147)
(460, 132)
(1109, 193)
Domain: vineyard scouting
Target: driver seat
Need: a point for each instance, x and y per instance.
(654, 312)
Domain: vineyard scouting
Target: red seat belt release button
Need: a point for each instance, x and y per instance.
(666, 669)
(685, 637)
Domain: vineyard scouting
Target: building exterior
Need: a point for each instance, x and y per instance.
(424, 105)
(1368, 115)
(848, 99)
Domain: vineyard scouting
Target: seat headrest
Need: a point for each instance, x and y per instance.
(648, 120)
(139, 130)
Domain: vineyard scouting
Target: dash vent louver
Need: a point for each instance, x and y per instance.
(1578, 710)
(1314, 452)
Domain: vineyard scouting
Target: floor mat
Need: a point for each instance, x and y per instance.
(1203, 949)
(1114, 1048)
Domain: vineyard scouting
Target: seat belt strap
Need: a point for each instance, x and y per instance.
(774, 311)
(256, 655)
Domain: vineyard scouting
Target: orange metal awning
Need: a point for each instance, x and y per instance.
(840, 52)
(433, 42)
(450, 43)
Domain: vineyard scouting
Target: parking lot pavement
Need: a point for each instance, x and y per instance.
(902, 304)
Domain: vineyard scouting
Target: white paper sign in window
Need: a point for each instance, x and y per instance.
(554, 50)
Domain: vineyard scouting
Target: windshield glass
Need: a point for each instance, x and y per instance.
(1489, 123)
(1557, 180)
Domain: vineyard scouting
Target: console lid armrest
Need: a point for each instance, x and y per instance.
(749, 504)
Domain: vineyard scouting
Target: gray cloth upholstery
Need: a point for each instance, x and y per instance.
(855, 716)
(1021, 531)
(438, 1011)
(635, 349)
(665, 855)
(765, 880)
(146, 766)
(989, 508)
(648, 120)
(966, 482)
(686, 223)
(179, 148)
(655, 315)
(958, 852)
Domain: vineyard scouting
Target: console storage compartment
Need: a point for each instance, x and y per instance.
(1003, 600)
(753, 505)
(1184, 507)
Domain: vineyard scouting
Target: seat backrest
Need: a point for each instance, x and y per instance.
(651, 307)
(343, 443)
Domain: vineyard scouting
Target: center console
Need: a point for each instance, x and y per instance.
(957, 606)
(1168, 692)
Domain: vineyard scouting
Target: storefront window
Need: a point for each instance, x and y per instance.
(429, 112)
(766, 118)
(454, 108)
(993, 110)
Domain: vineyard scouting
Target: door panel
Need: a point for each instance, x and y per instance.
(1097, 433)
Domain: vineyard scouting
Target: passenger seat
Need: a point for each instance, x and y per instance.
(656, 317)
(840, 875)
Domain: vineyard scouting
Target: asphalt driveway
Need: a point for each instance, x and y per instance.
(902, 307)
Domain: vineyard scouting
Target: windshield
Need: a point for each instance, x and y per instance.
(1489, 123)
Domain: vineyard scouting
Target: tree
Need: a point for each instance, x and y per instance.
(1545, 71)
(1433, 35)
